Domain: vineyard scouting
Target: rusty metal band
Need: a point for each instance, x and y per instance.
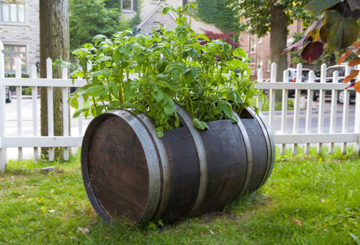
(164, 165)
(200, 149)
(268, 134)
(151, 158)
(246, 139)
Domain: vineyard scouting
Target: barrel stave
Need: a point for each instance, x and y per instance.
(226, 163)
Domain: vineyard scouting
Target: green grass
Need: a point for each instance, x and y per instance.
(308, 200)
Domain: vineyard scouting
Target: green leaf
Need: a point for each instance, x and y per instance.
(158, 95)
(74, 103)
(318, 6)
(165, 10)
(95, 90)
(339, 32)
(201, 125)
(240, 52)
(354, 4)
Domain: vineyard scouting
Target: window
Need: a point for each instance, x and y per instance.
(252, 44)
(12, 12)
(127, 5)
(259, 62)
(10, 54)
(268, 64)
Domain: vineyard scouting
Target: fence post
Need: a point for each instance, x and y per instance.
(357, 116)
(50, 107)
(299, 68)
(260, 79)
(284, 109)
(2, 112)
(321, 105)
(19, 107)
(272, 95)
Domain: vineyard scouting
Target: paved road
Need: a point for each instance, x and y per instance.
(11, 122)
(315, 118)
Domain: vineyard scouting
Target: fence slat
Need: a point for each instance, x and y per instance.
(19, 106)
(297, 105)
(80, 119)
(272, 95)
(3, 158)
(34, 95)
(284, 109)
(345, 120)
(50, 106)
(321, 105)
(357, 116)
(309, 105)
(65, 96)
(260, 79)
(333, 109)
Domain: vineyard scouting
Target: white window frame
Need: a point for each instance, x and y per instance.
(12, 57)
(17, 4)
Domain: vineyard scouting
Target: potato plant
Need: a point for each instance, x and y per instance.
(150, 73)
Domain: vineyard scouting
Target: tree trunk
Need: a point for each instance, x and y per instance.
(54, 44)
(278, 38)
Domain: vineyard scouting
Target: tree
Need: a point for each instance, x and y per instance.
(54, 44)
(262, 17)
(91, 17)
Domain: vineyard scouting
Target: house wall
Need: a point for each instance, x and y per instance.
(261, 56)
(25, 34)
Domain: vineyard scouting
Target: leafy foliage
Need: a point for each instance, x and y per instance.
(337, 27)
(257, 15)
(217, 12)
(91, 17)
(149, 74)
(354, 49)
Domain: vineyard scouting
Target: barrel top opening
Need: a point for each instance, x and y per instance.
(119, 175)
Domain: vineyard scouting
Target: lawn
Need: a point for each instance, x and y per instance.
(307, 200)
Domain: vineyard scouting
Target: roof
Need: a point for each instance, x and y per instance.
(198, 26)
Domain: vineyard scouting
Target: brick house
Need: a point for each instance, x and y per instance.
(20, 33)
(259, 48)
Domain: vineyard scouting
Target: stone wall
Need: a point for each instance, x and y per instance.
(25, 34)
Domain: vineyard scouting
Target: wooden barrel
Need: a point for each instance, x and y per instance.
(129, 172)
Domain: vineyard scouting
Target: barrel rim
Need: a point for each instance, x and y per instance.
(151, 159)
(268, 135)
(95, 202)
(164, 164)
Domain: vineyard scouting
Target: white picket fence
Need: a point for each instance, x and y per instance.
(282, 137)
(36, 141)
(307, 138)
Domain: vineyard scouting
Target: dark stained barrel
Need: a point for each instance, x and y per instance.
(129, 172)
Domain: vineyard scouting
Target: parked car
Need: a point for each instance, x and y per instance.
(329, 79)
(7, 95)
(292, 79)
